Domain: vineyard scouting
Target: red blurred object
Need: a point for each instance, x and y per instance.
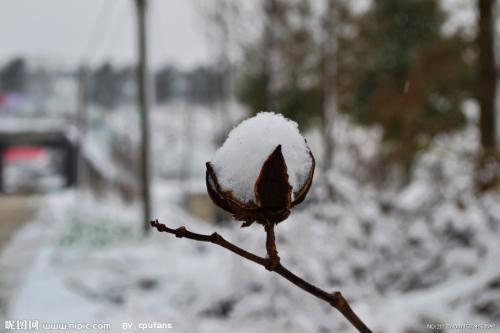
(22, 153)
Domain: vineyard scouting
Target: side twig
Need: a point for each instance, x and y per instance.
(272, 263)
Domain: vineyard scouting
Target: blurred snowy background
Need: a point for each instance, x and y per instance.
(396, 100)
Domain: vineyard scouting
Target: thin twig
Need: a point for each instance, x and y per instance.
(271, 248)
(334, 299)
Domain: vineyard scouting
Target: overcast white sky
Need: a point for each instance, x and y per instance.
(63, 31)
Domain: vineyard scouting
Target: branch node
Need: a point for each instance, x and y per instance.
(336, 299)
(215, 238)
(272, 263)
(180, 232)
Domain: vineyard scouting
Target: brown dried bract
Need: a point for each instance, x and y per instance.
(273, 192)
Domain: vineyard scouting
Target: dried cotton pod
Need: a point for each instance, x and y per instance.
(262, 170)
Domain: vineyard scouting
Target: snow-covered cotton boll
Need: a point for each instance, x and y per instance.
(262, 170)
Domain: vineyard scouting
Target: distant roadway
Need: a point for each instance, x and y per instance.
(15, 211)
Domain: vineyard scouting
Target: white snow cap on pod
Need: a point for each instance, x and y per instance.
(238, 162)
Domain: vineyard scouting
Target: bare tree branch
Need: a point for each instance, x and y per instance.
(272, 263)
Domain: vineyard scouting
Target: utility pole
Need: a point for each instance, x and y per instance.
(142, 100)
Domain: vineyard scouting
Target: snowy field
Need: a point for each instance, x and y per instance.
(423, 255)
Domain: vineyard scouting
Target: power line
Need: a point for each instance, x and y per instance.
(116, 31)
(101, 25)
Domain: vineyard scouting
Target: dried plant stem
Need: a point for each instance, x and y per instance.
(271, 248)
(272, 263)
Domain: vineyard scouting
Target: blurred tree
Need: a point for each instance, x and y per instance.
(222, 19)
(199, 85)
(203, 85)
(126, 84)
(332, 20)
(390, 65)
(106, 86)
(486, 87)
(165, 84)
(398, 70)
(281, 68)
(488, 175)
(13, 76)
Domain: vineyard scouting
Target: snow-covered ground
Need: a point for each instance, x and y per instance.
(405, 258)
